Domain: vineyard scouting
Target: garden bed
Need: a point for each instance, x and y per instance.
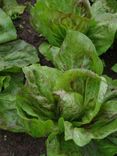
(12, 144)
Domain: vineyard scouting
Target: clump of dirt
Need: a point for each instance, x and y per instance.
(110, 58)
(12, 144)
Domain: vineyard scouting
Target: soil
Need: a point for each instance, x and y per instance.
(12, 144)
(110, 58)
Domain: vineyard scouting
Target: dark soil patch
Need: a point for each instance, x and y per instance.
(20, 144)
(12, 144)
(110, 58)
(26, 1)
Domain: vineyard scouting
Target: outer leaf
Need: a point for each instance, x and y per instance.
(41, 79)
(103, 32)
(9, 119)
(114, 68)
(103, 125)
(74, 53)
(78, 135)
(106, 122)
(59, 147)
(12, 8)
(34, 125)
(17, 54)
(100, 148)
(7, 29)
(54, 18)
(35, 104)
(104, 6)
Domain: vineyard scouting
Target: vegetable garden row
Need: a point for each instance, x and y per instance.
(73, 103)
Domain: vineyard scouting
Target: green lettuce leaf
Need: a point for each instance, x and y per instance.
(73, 53)
(56, 18)
(103, 6)
(9, 119)
(91, 87)
(17, 54)
(53, 18)
(35, 103)
(114, 68)
(7, 29)
(103, 32)
(41, 79)
(12, 8)
(58, 147)
(75, 104)
(104, 124)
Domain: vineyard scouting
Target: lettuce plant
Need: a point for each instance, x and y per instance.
(73, 108)
(54, 18)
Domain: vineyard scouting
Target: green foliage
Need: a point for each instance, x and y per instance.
(17, 54)
(73, 105)
(73, 53)
(7, 29)
(54, 18)
(114, 68)
(12, 8)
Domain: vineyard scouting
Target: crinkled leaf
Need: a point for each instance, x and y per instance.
(102, 33)
(91, 88)
(103, 6)
(7, 29)
(41, 79)
(103, 125)
(77, 51)
(52, 18)
(100, 148)
(59, 147)
(12, 8)
(36, 102)
(33, 123)
(9, 119)
(17, 54)
(34, 114)
(71, 104)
